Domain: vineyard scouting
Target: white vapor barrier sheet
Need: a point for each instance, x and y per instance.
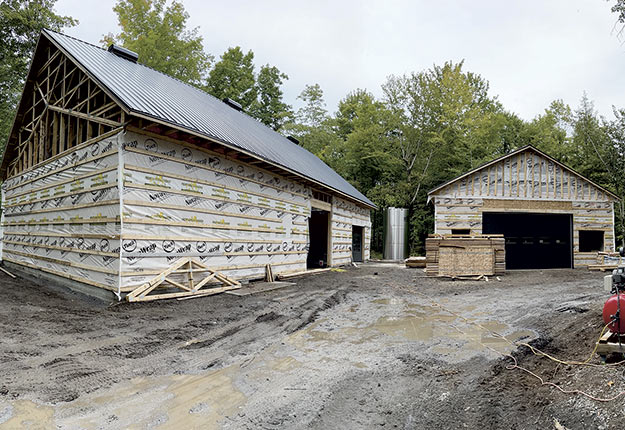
(183, 202)
(345, 215)
(63, 216)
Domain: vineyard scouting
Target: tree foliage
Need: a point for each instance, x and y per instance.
(614, 163)
(427, 127)
(233, 77)
(430, 126)
(21, 23)
(313, 113)
(312, 125)
(159, 34)
(619, 9)
(269, 108)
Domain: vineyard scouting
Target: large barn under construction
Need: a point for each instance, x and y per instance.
(550, 215)
(115, 174)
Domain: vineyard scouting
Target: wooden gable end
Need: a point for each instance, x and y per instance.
(60, 108)
(525, 174)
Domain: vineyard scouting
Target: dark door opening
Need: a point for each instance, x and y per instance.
(533, 240)
(318, 236)
(357, 243)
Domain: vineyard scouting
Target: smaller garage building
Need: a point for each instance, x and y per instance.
(550, 215)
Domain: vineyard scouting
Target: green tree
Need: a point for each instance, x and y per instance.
(233, 77)
(614, 162)
(364, 152)
(270, 108)
(619, 9)
(550, 132)
(313, 113)
(159, 34)
(447, 124)
(589, 143)
(20, 24)
(311, 123)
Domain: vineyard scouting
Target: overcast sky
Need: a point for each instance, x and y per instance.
(531, 51)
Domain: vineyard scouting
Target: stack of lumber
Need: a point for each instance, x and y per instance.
(415, 262)
(457, 256)
(607, 261)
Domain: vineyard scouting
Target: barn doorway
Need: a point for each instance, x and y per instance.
(318, 228)
(533, 240)
(357, 236)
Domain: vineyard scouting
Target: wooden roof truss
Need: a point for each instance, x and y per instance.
(61, 107)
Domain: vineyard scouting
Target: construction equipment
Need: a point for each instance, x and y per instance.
(612, 340)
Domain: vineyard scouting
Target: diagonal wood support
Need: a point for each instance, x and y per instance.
(185, 268)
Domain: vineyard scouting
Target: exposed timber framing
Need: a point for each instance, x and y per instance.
(186, 283)
(61, 108)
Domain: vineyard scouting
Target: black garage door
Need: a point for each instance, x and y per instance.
(533, 241)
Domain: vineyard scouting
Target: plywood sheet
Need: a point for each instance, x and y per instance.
(466, 261)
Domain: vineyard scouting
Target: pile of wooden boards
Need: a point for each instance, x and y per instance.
(607, 261)
(456, 256)
(415, 262)
(609, 344)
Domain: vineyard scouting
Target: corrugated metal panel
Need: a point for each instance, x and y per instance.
(144, 90)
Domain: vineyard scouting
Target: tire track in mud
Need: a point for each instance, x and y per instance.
(311, 315)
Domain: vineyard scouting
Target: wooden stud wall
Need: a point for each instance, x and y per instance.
(63, 109)
(526, 182)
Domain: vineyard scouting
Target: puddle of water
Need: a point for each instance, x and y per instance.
(167, 402)
(307, 339)
(417, 324)
(203, 401)
(215, 390)
(410, 328)
(381, 301)
(390, 301)
(285, 364)
(27, 415)
(495, 326)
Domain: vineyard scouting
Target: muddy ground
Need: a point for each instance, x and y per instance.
(357, 349)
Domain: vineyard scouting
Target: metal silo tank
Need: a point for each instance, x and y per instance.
(395, 233)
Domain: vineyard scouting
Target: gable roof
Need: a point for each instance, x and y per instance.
(147, 93)
(518, 151)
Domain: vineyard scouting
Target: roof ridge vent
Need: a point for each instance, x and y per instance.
(293, 139)
(234, 105)
(124, 53)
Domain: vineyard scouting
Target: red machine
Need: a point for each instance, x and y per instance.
(612, 313)
(613, 341)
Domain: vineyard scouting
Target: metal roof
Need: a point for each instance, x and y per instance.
(146, 91)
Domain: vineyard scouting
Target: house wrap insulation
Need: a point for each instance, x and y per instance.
(69, 216)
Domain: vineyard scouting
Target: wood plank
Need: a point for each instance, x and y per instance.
(221, 268)
(62, 274)
(183, 294)
(62, 262)
(203, 166)
(66, 152)
(199, 210)
(205, 281)
(303, 273)
(205, 182)
(86, 116)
